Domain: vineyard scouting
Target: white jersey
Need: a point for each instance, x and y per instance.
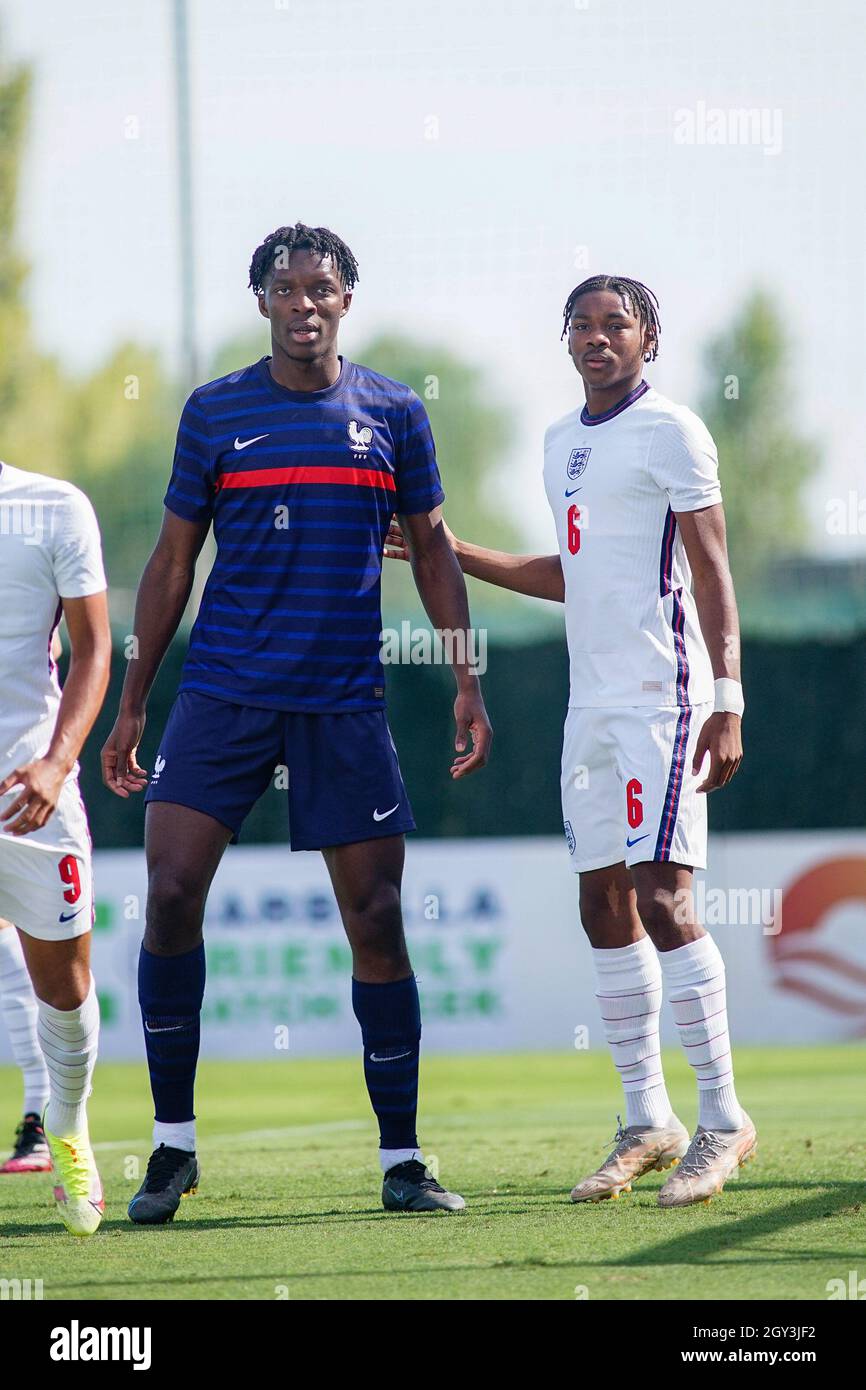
(614, 483)
(49, 550)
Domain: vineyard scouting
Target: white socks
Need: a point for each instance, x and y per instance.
(695, 985)
(174, 1136)
(629, 995)
(389, 1158)
(19, 1008)
(69, 1039)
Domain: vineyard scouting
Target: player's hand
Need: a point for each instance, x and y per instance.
(41, 783)
(721, 737)
(120, 769)
(395, 542)
(471, 719)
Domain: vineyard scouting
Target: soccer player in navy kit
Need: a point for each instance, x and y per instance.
(298, 461)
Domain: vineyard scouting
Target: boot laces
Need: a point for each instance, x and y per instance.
(704, 1149)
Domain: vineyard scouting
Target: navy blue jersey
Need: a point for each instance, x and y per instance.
(300, 487)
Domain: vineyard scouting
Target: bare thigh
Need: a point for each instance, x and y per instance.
(608, 907)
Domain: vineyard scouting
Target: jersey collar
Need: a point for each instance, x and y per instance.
(635, 395)
(306, 397)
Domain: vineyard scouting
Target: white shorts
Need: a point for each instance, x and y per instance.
(628, 791)
(46, 877)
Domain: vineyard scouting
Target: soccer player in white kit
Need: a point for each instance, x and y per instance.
(653, 640)
(51, 566)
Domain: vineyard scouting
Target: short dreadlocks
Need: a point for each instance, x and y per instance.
(643, 303)
(285, 240)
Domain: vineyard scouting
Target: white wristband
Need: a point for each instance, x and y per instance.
(729, 697)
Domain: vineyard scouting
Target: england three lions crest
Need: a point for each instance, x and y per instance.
(577, 461)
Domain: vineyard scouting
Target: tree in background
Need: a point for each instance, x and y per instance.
(471, 430)
(119, 443)
(29, 430)
(239, 351)
(746, 404)
(110, 432)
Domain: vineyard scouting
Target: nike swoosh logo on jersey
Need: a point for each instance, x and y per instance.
(247, 442)
(636, 840)
(573, 491)
(68, 916)
(383, 815)
(374, 1058)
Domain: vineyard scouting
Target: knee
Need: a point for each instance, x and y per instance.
(66, 991)
(374, 924)
(667, 922)
(601, 919)
(175, 907)
(377, 905)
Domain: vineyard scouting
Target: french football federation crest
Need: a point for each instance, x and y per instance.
(360, 438)
(577, 461)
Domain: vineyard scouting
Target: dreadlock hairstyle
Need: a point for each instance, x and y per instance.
(285, 240)
(643, 303)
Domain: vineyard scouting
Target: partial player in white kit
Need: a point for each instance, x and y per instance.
(51, 566)
(653, 640)
(20, 1013)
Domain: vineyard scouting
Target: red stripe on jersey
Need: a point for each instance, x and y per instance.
(305, 473)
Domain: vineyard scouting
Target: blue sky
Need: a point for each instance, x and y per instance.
(559, 150)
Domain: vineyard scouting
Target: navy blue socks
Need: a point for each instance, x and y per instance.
(170, 992)
(390, 1019)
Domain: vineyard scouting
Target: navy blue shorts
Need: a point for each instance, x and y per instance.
(344, 782)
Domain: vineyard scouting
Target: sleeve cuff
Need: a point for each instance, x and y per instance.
(85, 590)
(413, 508)
(695, 501)
(186, 510)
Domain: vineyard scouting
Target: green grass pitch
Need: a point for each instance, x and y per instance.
(289, 1205)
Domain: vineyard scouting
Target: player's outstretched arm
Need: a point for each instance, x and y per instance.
(443, 593)
(539, 576)
(163, 594)
(703, 534)
(83, 693)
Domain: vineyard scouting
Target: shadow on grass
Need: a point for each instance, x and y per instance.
(720, 1244)
(721, 1238)
(251, 1222)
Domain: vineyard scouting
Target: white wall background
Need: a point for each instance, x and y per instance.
(505, 965)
